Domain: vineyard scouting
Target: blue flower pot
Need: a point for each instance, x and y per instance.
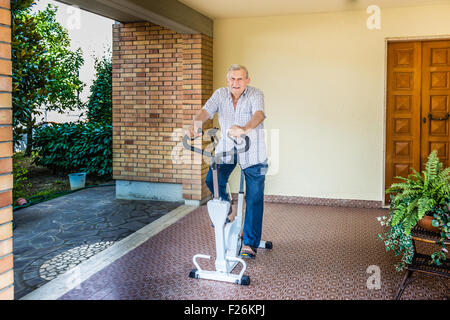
(77, 180)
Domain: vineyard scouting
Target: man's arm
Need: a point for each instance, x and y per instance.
(200, 117)
(210, 108)
(236, 131)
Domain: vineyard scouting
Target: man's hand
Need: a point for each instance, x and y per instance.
(193, 131)
(236, 131)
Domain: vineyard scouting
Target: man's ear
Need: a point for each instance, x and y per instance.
(248, 80)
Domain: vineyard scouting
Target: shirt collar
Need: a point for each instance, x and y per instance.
(243, 93)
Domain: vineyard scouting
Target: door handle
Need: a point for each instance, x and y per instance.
(447, 116)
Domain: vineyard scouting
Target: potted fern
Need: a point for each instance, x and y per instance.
(417, 199)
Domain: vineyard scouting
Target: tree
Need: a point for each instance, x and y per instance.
(45, 70)
(100, 101)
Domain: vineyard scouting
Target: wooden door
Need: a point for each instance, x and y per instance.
(403, 110)
(435, 100)
(417, 106)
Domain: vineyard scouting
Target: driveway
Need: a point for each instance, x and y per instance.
(54, 236)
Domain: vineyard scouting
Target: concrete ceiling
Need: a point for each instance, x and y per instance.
(217, 9)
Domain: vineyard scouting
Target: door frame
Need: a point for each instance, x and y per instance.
(388, 40)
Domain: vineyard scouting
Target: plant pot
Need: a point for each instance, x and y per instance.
(77, 180)
(425, 223)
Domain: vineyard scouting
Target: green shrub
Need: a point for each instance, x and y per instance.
(75, 147)
(21, 185)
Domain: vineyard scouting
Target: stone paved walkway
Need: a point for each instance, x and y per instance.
(53, 236)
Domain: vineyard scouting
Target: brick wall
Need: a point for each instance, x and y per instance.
(6, 178)
(160, 80)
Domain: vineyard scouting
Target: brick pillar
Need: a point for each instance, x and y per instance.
(147, 103)
(160, 79)
(6, 178)
(197, 88)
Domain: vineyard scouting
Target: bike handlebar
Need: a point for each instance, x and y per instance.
(194, 149)
(222, 154)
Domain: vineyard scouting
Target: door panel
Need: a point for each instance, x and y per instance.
(435, 100)
(403, 110)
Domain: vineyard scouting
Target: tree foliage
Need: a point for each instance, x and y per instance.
(100, 101)
(45, 70)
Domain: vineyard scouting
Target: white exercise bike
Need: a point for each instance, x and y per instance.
(228, 235)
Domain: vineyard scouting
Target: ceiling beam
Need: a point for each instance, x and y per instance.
(171, 14)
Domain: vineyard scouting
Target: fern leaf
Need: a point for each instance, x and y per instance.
(417, 175)
(424, 205)
(397, 187)
(444, 175)
(431, 166)
(410, 217)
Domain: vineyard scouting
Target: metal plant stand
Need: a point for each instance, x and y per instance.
(422, 262)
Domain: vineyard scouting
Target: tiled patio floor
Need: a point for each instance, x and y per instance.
(319, 252)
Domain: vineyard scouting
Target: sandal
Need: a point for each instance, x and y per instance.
(248, 252)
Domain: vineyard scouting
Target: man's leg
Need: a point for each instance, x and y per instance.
(254, 200)
(223, 173)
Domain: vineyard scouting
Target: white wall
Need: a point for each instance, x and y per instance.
(323, 77)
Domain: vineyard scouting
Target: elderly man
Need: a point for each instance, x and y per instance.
(240, 109)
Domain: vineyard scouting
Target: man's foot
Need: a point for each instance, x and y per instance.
(248, 252)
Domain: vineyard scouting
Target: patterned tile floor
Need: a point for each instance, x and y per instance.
(320, 252)
(53, 236)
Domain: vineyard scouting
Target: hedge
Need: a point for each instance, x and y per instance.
(75, 147)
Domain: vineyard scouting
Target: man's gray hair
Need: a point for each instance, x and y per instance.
(235, 67)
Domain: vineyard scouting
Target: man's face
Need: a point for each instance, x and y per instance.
(237, 82)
